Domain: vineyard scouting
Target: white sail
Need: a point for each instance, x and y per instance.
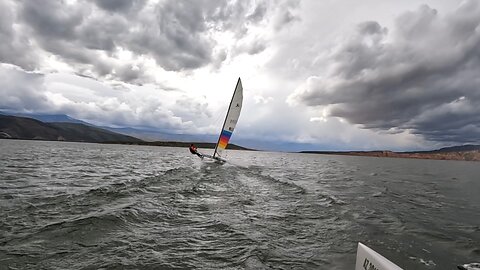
(231, 119)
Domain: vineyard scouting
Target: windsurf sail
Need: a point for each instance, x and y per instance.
(368, 259)
(230, 122)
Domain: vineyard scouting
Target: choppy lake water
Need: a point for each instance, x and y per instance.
(94, 206)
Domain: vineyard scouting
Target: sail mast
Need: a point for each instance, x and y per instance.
(226, 133)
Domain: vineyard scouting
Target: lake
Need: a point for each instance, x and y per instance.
(94, 206)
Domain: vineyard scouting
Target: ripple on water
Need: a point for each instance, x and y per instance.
(89, 206)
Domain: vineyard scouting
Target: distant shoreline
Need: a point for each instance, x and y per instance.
(472, 155)
(182, 144)
(468, 155)
(155, 143)
(25, 128)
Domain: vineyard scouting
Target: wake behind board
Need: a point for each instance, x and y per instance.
(215, 159)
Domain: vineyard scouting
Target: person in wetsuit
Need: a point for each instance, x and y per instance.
(193, 150)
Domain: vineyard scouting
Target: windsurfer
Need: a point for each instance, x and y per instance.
(194, 151)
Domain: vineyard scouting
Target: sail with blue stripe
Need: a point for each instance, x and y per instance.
(231, 119)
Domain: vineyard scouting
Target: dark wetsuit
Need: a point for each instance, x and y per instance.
(194, 151)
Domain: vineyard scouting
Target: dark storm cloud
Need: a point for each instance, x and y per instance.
(131, 73)
(15, 48)
(106, 37)
(182, 26)
(89, 35)
(120, 5)
(422, 76)
(52, 19)
(177, 38)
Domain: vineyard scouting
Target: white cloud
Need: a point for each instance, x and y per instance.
(173, 65)
(380, 83)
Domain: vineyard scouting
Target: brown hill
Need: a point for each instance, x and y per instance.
(14, 127)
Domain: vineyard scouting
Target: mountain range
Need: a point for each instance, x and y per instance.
(48, 118)
(59, 127)
(16, 127)
(145, 134)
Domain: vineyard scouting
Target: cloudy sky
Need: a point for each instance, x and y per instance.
(326, 75)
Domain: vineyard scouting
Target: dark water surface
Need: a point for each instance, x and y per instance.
(93, 206)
